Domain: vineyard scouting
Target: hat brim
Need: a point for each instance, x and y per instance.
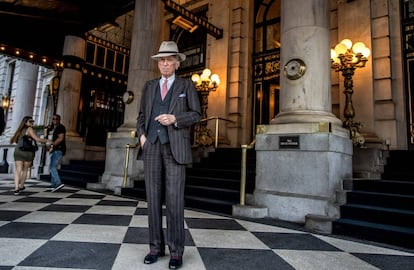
(181, 56)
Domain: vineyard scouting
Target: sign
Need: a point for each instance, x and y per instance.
(187, 14)
(289, 142)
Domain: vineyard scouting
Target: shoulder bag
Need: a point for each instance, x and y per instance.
(29, 144)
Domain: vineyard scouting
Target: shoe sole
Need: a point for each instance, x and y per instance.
(57, 188)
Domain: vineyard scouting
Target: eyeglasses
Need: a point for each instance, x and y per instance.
(31, 121)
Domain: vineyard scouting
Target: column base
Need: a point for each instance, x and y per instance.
(75, 149)
(298, 174)
(113, 176)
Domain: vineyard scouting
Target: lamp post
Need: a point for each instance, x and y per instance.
(345, 58)
(204, 84)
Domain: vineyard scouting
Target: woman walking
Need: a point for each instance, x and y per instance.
(23, 158)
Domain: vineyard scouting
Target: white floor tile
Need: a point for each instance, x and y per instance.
(195, 214)
(226, 239)
(9, 198)
(50, 217)
(355, 247)
(78, 201)
(92, 233)
(14, 250)
(22, 206)
(257, 227)
(111, 210)
(323, 260)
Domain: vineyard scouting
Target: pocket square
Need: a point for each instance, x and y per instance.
(182, 95)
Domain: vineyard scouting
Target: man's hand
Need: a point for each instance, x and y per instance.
(142, 140)
(166, 119)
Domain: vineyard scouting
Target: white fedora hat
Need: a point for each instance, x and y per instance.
(169, 48)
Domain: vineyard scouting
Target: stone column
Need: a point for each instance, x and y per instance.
(70, 83)
(23, 94)
(22, 98)
(74, 52)
(146, 39)
(305, 34)
(304, 155)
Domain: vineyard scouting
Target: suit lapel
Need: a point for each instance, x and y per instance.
(175, 93)
(150, 99)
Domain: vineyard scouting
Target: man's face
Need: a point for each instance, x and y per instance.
(55, 120)
(168, 65)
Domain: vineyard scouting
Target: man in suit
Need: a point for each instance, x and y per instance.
(169, 107)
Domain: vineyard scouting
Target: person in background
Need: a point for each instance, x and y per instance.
(169, 107)
(57, 151)
(23, 159)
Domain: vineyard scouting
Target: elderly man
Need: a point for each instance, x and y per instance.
(169, 107)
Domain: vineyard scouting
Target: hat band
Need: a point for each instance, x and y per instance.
(168, 52)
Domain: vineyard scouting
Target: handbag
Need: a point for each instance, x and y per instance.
(29, 144)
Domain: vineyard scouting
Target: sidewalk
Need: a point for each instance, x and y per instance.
(80, 229)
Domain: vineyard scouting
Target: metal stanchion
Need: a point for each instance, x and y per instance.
(244, 171)
(217, 133)
(126, 164)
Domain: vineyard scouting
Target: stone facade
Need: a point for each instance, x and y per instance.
(379, 95)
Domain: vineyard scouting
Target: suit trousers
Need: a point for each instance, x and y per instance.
(158, 158)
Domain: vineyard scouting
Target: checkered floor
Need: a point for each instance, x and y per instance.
(81, 229)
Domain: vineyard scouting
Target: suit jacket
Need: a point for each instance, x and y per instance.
(184, 104)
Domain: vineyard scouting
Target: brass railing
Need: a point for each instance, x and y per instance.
(201, 133)
(244, 171)
(126, 164)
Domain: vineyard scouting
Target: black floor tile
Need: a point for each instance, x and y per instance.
(210, 223)
(141, 212)
(64, 254)
(136, 235)
(11, 215)
(38, 199)
(293, 241)
(387, 262)
(244, 259)
(87, 196)
(116, 220)
(118, 203)
(30, 230)
(66, 208)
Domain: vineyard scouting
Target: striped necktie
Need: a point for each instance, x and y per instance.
(164, 89)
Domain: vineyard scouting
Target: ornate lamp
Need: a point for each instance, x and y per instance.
(204, 84)
(345, 58)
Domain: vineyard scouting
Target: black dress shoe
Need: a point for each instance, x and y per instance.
(153, 257)
(175, 262)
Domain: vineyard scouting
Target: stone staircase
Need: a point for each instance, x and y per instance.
(381, 210)
(213, 183)
(79, 172)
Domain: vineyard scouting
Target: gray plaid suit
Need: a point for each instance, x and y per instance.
(170, 158)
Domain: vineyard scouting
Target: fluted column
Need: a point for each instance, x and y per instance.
(70, 83)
